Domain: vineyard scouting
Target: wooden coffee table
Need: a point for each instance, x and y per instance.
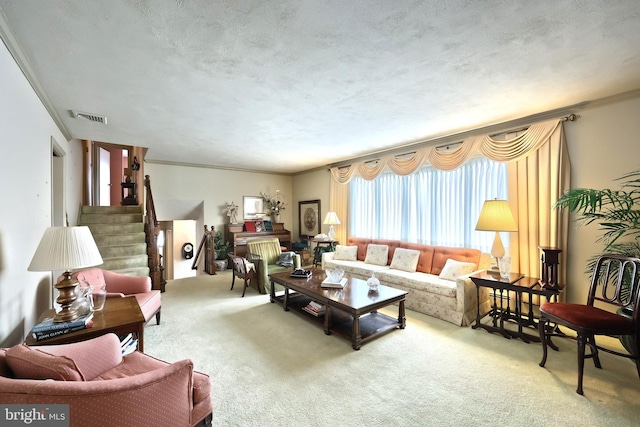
(351, 312)
(119, 315)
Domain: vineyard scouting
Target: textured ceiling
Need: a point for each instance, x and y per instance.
(289, 85)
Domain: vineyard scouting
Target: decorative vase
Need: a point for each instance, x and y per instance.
(373, 282)
(221, 264)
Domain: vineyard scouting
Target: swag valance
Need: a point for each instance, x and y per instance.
(502, 151)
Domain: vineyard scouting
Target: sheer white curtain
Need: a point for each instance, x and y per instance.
(430, 206)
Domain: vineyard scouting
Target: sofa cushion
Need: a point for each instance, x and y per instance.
(377, 254)
(357, 269)
(30, 363)
(405, 259)
(361, 243)
(441, 254)
(454, 269)
(346, 253)
(392, 244)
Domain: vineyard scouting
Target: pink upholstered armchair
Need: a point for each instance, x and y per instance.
(103, 388)
(120, 285)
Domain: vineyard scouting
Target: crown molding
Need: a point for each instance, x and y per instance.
(199, 165)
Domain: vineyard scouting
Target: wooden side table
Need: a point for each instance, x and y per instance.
(119, 315)
(322, 246)
(519, 285)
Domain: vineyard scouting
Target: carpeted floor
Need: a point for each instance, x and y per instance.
(269, 367)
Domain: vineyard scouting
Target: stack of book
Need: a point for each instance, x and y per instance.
(128, 344)
(315, 308)
(47, 328)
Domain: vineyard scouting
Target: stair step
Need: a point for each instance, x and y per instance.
(119, 239)
(110, 209)
(116, 228)
(120, 236)
(110, 218)
(117, 251)
(120, 263)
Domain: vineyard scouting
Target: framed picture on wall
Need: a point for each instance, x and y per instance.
(253, 207)
(309, 218)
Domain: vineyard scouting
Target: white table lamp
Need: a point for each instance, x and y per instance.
(496, 216)
(331, 219)
(66, 248)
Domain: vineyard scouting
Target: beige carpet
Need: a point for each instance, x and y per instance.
(271, 367)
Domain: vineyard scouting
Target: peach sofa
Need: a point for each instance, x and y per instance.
(103, 388)
(453, 299)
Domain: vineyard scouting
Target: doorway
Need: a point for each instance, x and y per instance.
(110, 172)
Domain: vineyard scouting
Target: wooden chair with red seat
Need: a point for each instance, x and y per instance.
(613, 291)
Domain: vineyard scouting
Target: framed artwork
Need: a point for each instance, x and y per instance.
(309, 218)
(253, 207)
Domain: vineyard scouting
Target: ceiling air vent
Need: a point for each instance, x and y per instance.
(91, 117)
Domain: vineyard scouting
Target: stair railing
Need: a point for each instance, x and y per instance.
(152, 229)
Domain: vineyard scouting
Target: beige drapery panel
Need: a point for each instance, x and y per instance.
(338, 203)
(538, 173)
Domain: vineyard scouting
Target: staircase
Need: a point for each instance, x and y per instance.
(119, 234)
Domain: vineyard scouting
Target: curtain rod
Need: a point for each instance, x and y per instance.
(457, 138)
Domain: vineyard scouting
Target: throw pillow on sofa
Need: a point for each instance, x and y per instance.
(346, 253)
(377, 254)
(33, 364)
(453, 269)
(405, 259)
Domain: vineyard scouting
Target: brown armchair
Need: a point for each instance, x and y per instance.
(615, 290)
(103, 388)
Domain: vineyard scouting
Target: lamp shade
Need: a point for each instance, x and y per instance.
(331, 219)
(66, 248)
(496, 216)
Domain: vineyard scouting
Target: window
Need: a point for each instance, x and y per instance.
(430, 206)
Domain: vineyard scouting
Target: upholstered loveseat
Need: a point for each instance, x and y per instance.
(103, 388)
(436, 286)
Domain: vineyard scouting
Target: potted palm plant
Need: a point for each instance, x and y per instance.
(220, 248)
(617, 212)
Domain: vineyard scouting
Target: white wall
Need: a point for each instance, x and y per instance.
(604, 144)
(26, 130)
(184, 231)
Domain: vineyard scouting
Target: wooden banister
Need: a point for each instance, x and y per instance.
(151, 229)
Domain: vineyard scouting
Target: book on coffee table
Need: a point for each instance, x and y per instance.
(326, 283)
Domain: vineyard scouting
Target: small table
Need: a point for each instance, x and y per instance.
(322, 246)
(351, 312)
(119, 315)
(519, 284)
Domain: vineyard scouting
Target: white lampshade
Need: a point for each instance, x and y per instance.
(66, 248)
(496, 216)
(331, 219)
